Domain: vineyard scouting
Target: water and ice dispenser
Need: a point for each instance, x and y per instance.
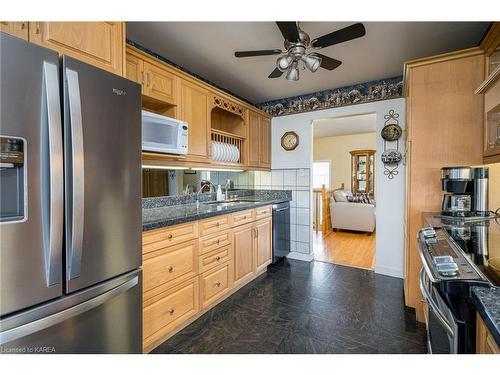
(12, 179)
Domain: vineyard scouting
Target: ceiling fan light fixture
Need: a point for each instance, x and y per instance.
(312, 62)
(293, 72)
(284, 62)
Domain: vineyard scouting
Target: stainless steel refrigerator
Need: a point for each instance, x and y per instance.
(70, 208)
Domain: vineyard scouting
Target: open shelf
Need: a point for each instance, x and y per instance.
(233, 142)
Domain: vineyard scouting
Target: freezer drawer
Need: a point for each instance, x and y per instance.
(103, 319)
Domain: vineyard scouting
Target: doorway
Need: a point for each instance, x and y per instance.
(344, 190)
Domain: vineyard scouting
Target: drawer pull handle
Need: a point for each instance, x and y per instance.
(171, 311)
(170, 269)
(170, 236)
(217, 258)
(217, 224)
(218, 241)
(218, 284)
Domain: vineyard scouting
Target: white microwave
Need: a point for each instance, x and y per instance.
(164, 134)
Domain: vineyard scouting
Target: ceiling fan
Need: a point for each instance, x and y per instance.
(298, 44)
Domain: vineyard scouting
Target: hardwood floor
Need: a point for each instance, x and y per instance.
(346, 248)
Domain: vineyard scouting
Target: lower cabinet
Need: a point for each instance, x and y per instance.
(172, 308)
(485, 342)
(243, 253)
(190, 267)
(264, 244)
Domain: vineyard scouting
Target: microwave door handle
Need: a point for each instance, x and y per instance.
(53, 183)
(433, 305)
(77, 171)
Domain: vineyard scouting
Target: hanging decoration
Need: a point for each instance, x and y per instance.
(391, 132)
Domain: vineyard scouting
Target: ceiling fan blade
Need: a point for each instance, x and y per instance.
(289, 30)
(327, 62)
(276, 73)
(260, 52)
(354, 31)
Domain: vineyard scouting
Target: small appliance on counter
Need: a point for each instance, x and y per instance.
(456, 254)
(465, 191)
(164, 134)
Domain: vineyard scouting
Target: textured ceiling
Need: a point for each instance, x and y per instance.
(207, 49)
(332, 127)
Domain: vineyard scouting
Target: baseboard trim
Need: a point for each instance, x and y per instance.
(389, 271)
(300, 256)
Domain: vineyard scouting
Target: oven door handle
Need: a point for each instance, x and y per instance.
(432, 305)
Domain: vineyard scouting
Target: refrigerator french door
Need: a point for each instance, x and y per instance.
(70, 209)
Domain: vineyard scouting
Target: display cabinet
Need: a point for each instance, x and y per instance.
(363, 171)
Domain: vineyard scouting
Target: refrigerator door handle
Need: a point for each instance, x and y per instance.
(77, 170)
(52, 183)
(49, 321)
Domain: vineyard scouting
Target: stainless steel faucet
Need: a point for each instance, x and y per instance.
(203, 185)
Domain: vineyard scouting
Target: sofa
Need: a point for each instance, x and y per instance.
(348, 215)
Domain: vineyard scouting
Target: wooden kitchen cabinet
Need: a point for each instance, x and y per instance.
(194, 110)
(263, 244)
(97, 43)
(19, 29)
(134, 69)
(243, 253)
(190, 267)
(485, 342)
(444, 126)
(259, 140)
(159, 84)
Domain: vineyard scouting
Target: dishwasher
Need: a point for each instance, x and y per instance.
(281, 230)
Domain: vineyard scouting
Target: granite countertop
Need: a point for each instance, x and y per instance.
(487, 301)
(159, 217)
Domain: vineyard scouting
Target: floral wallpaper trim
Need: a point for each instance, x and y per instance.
(384, 89)
(169, 62)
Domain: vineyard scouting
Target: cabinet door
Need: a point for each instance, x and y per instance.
(98, 43)
(263, 246)
(265, 142)
(160, 84)
(134, 69)
(243, 253)
(253, 139)
(194, 110)
(19, 29)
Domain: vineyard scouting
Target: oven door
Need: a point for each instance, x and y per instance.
(442, 329)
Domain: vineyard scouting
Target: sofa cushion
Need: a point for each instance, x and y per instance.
(342, 195)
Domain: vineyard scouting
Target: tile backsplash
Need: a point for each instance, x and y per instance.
(296, 180)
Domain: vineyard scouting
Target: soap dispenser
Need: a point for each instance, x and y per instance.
(219, 194)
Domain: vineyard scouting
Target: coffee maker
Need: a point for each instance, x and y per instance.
(465, 191)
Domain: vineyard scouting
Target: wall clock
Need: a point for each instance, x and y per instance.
(290, 141)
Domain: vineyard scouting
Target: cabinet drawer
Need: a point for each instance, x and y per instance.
(216, 241)
(178, 305)
(263, 212)
(243, 217)
(216, 257)
(168, 266)
(214, 225)
(215, 283)
(156, 239)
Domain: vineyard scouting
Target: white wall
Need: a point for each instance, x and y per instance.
(390, 194)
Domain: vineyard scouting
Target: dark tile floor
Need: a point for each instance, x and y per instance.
(300, 307)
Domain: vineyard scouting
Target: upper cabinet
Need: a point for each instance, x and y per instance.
(194, 110)
(259, 140)
(98, 43)
(490, 88)
(223, 130)
(19, 29)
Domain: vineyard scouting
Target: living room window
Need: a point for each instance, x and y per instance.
(321, 174)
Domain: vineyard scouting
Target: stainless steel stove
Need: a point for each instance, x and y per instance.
(456, 254)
